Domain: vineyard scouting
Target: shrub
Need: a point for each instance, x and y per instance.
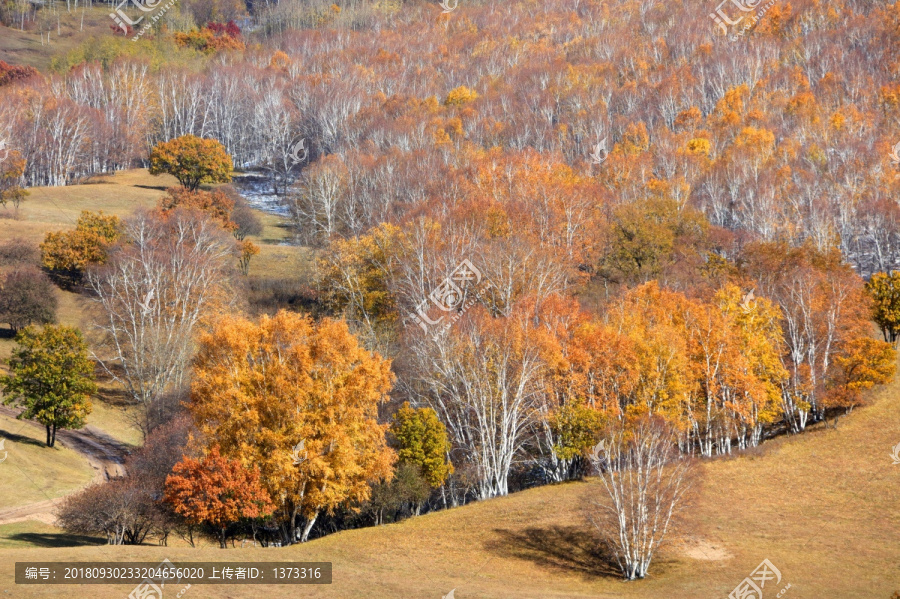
(119, 509)
(390, 499)
(15, 73)
(192, 160)
(208, 41)
(27, 297)
(215, 203)
(18, 252)
(66, 254)
(244, 218)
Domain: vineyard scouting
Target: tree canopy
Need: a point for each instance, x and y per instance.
(298, 399)
(216, 491)
(52, 377)
(67, 254)
(192, 160)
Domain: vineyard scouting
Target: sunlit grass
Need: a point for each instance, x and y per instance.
(821, 506)
(33, 472)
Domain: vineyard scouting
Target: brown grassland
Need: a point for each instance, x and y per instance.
(822, 506)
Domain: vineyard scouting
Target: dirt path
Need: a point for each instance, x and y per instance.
(105, 455)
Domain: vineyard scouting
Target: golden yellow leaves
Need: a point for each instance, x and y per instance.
(460, 95)
(260, 388)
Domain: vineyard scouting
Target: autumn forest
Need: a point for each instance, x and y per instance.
(542, 241)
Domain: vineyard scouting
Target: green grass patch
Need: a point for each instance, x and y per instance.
(36, 534)
(33, 472)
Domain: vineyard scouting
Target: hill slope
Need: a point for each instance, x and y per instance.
(822, 507)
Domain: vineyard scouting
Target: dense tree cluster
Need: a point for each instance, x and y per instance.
(787, 144)
(535, 234)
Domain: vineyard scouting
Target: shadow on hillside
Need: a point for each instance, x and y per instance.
(160, 187)
(39, 539)
(114, 397)
(16, 438)
(563, 547)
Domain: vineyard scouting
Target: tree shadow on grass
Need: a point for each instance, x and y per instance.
(40, 539)
(558, 547)
(16, 438)
(160, 187)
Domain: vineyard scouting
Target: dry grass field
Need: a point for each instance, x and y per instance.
(32, 472)
(822, 507)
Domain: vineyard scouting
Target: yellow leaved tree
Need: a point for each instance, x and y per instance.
(299, 400)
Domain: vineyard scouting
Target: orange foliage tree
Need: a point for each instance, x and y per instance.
(299, 400)
(12, 167)
(217, 492)
(216, 203)
(192, 160)
(67, 254)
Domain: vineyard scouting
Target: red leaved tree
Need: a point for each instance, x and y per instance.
(216, 491)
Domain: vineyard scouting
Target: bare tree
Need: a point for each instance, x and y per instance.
(152, 294)
(645, 480)
(317, 204)
(27, 296)
(480, 377)
(119, 508)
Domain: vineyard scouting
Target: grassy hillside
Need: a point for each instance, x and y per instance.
(33, 472)
(822, 507)
(67, 30)
(57, 208)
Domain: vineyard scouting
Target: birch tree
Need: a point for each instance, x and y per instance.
(643, 485)
(480, 377)
(153, 293)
